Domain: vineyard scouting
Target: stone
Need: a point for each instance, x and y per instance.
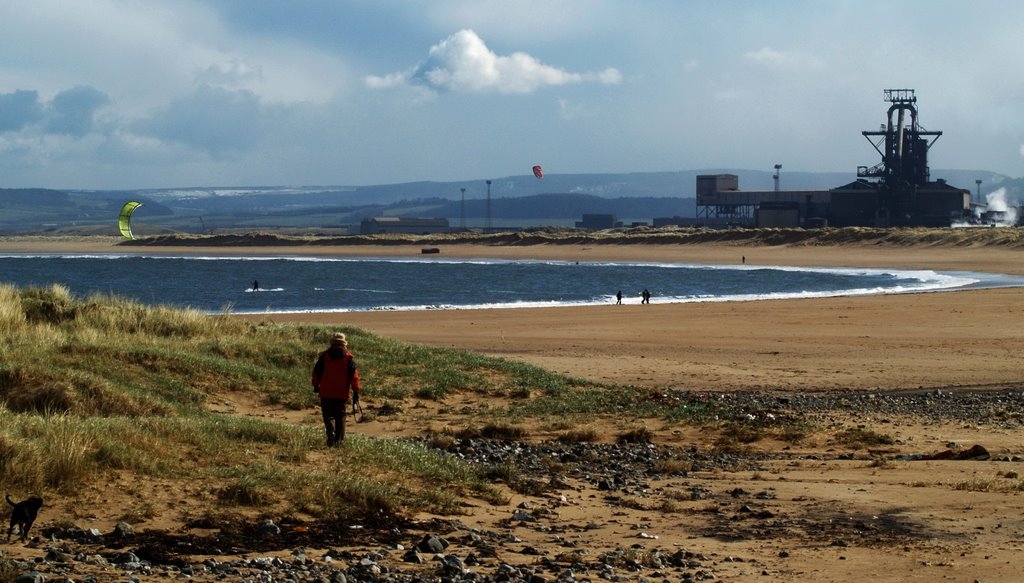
(432, 544)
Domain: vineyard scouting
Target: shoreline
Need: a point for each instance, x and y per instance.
(980, 258)
(970, 338)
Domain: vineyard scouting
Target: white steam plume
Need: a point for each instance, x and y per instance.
(997, 203)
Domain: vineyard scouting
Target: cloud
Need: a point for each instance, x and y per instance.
(230, 73)
(19, 109)
(570, 110)
(784, 60)
(73, 112)
(211, 119)
(463, 63)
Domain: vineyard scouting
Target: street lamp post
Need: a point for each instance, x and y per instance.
(488, 205)
(462, 210)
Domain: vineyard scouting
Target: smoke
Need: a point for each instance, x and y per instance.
(998, 214)
(997, 203)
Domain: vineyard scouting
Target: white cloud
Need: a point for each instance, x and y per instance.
(570, 110)
(784, 60)
(231, 72)
(389, 80)
(463, 63)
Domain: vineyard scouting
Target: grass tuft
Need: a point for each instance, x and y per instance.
(582, 435)
(860, 437)
(640, 434)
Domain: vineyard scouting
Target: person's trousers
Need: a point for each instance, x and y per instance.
(333, 411)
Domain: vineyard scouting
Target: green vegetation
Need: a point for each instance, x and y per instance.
(101, 386)
(105, 385)
(861, 437)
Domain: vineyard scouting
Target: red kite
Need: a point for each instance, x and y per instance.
(538, 172)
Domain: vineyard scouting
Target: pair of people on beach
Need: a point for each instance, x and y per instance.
(335, 378)
(645, 297)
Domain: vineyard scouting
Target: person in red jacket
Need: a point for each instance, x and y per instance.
(334, 376)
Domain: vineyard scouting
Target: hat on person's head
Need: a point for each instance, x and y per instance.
(339, 339)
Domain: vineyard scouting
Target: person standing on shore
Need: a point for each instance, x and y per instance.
(646, 295)
(618, 297)
(335, 376)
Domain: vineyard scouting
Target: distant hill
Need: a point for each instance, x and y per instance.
(557, 199)
(39, 210)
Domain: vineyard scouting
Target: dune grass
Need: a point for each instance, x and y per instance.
(1007, 237)
(106, 384)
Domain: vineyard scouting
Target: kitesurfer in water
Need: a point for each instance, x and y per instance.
(255, 285)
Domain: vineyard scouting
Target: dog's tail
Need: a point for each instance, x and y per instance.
(9, 501)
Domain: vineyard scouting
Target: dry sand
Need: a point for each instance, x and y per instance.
(934, 520)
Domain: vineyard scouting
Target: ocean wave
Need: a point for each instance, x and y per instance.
(941, 283)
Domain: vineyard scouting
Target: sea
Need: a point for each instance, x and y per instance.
(290, 284)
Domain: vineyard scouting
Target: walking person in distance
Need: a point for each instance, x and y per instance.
(335, 377)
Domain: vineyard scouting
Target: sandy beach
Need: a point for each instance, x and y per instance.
(821, 508)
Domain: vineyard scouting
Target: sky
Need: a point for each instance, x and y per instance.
(123, 94)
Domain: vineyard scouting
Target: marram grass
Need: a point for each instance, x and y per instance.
(103, 385)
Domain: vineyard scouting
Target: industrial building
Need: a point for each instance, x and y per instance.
(720, 200)
(404, 225)
(901, 194)
(598, 222)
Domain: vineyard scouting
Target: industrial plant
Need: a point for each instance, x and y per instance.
(896, 192)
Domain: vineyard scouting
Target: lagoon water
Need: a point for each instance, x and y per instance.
(296, 284)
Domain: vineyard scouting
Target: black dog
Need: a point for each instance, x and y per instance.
(23, 515)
